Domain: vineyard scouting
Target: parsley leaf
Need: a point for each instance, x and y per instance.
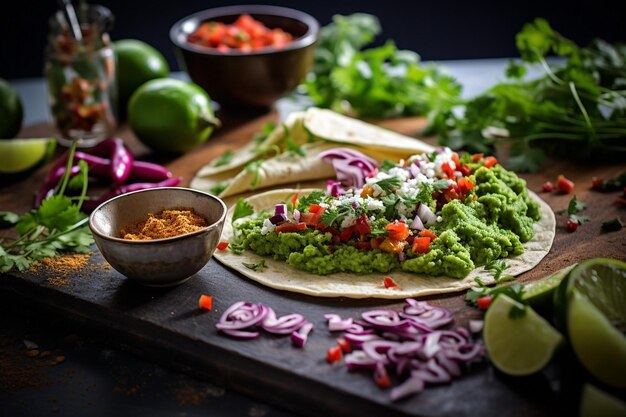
(573, 208)
(242, 209)
(253, 167)
(255, 266)
(315, 197)
(236, 247)
(224, 159)
(266, 130)
(386, 165)
(218, 188)
(388, 185)
(8, 219)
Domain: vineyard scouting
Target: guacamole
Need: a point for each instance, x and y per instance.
(421, 220)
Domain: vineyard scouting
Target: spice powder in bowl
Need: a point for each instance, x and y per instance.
(166, 223)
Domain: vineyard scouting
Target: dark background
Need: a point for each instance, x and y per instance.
(437, 30)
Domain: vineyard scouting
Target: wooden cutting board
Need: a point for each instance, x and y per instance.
(166, 325)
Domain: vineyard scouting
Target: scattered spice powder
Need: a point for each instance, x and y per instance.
(167, 223)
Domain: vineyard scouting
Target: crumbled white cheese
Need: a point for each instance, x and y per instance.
(267, 227)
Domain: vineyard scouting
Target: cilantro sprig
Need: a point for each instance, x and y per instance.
(56, 226)
(514, 290)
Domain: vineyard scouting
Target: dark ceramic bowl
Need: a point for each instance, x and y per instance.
(248, 79)
(158, 262)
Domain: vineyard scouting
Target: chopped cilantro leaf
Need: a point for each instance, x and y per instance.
(224, 159)
(315, 197)
(386, 165)
(388, 185)
(255, 266)
(242, 209)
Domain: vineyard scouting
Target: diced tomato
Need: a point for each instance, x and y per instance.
(465, 185)
(451, 193)
(345, 234)
(447, 169)
(464, 169)
(427, 233)
(333, 354)
(315, 208)
(421, 245)
(392, 245)
(489, 161)
(484, 302)
(397, 230)
(382, 379)
(563, 185)
(362, 226)
(363, 245)
(345, 346)
(571, 225)
(375, 242)
(222, 245)
(596, 183)
(290, 227)
(312, 218)
(388, 282)
(477, 157)
(294, 200)
(547, 187)
(205, 302)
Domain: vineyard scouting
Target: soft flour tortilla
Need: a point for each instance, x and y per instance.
(315, 130)
(281, 275)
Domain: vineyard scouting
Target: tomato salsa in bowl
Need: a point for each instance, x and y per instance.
(247, 55)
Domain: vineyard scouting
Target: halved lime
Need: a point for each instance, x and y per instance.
(596, 318)
(18, 155)
(541, 292)
(596, 402)
(521, 345)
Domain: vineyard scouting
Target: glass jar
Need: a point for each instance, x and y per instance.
(80, 76)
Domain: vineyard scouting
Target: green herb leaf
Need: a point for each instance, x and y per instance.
(388, 185)
(8, 219)
(224, 159)
(315, 197)
(253, 167)
(575, 206)
(236, 247)
(242, 209)
(259, 266)
(386, 165)
(218, 188)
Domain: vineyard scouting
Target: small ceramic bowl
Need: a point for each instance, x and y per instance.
(253, 79)
(158, 262)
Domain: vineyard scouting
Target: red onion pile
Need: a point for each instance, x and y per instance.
(351, 166)
(409, 344)
(243, 319)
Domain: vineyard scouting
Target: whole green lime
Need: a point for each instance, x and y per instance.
(11, 111)
(137, 62)
(171, 115)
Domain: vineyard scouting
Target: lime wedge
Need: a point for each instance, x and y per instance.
(518, 346)
(541, 292)
(596, 402)
(18, 155)
(596, 318)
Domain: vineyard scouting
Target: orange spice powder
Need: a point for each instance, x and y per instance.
(167, 223)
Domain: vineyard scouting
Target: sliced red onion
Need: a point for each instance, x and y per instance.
(300, 336)
(334, 188)
(283, 325)
(417, 224)
(466, 353)
(451, 366)
(411, 386)
(384, 319)
(426, 214)
(476, 326)
(357, 328)
(242, 315)
(357, 340)
(359, 360)
(380, 371)
(240, 334)
(377, 349)
(335, 322)
(414, 307)
(351, 166)
(431, 345)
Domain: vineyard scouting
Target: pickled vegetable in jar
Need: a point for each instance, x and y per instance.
(80, 76)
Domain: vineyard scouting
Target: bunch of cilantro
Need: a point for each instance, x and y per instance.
(378, 82)
(577, 108)
(56, 226)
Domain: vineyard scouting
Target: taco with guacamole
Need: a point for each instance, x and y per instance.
(289, 153)
(424, 225)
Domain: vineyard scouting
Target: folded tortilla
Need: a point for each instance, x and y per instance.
(280, 275)
(315, 130)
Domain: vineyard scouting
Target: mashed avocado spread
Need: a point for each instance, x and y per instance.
(467, 219)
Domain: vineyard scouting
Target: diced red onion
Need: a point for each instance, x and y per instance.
(476, 326)
(335, 322)
(426, 214)
(417, 224)
(402, 256)
(278, 218)
(300, 336)
(414, 169)
(334, 188)
(296, 215)
(280, 209)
